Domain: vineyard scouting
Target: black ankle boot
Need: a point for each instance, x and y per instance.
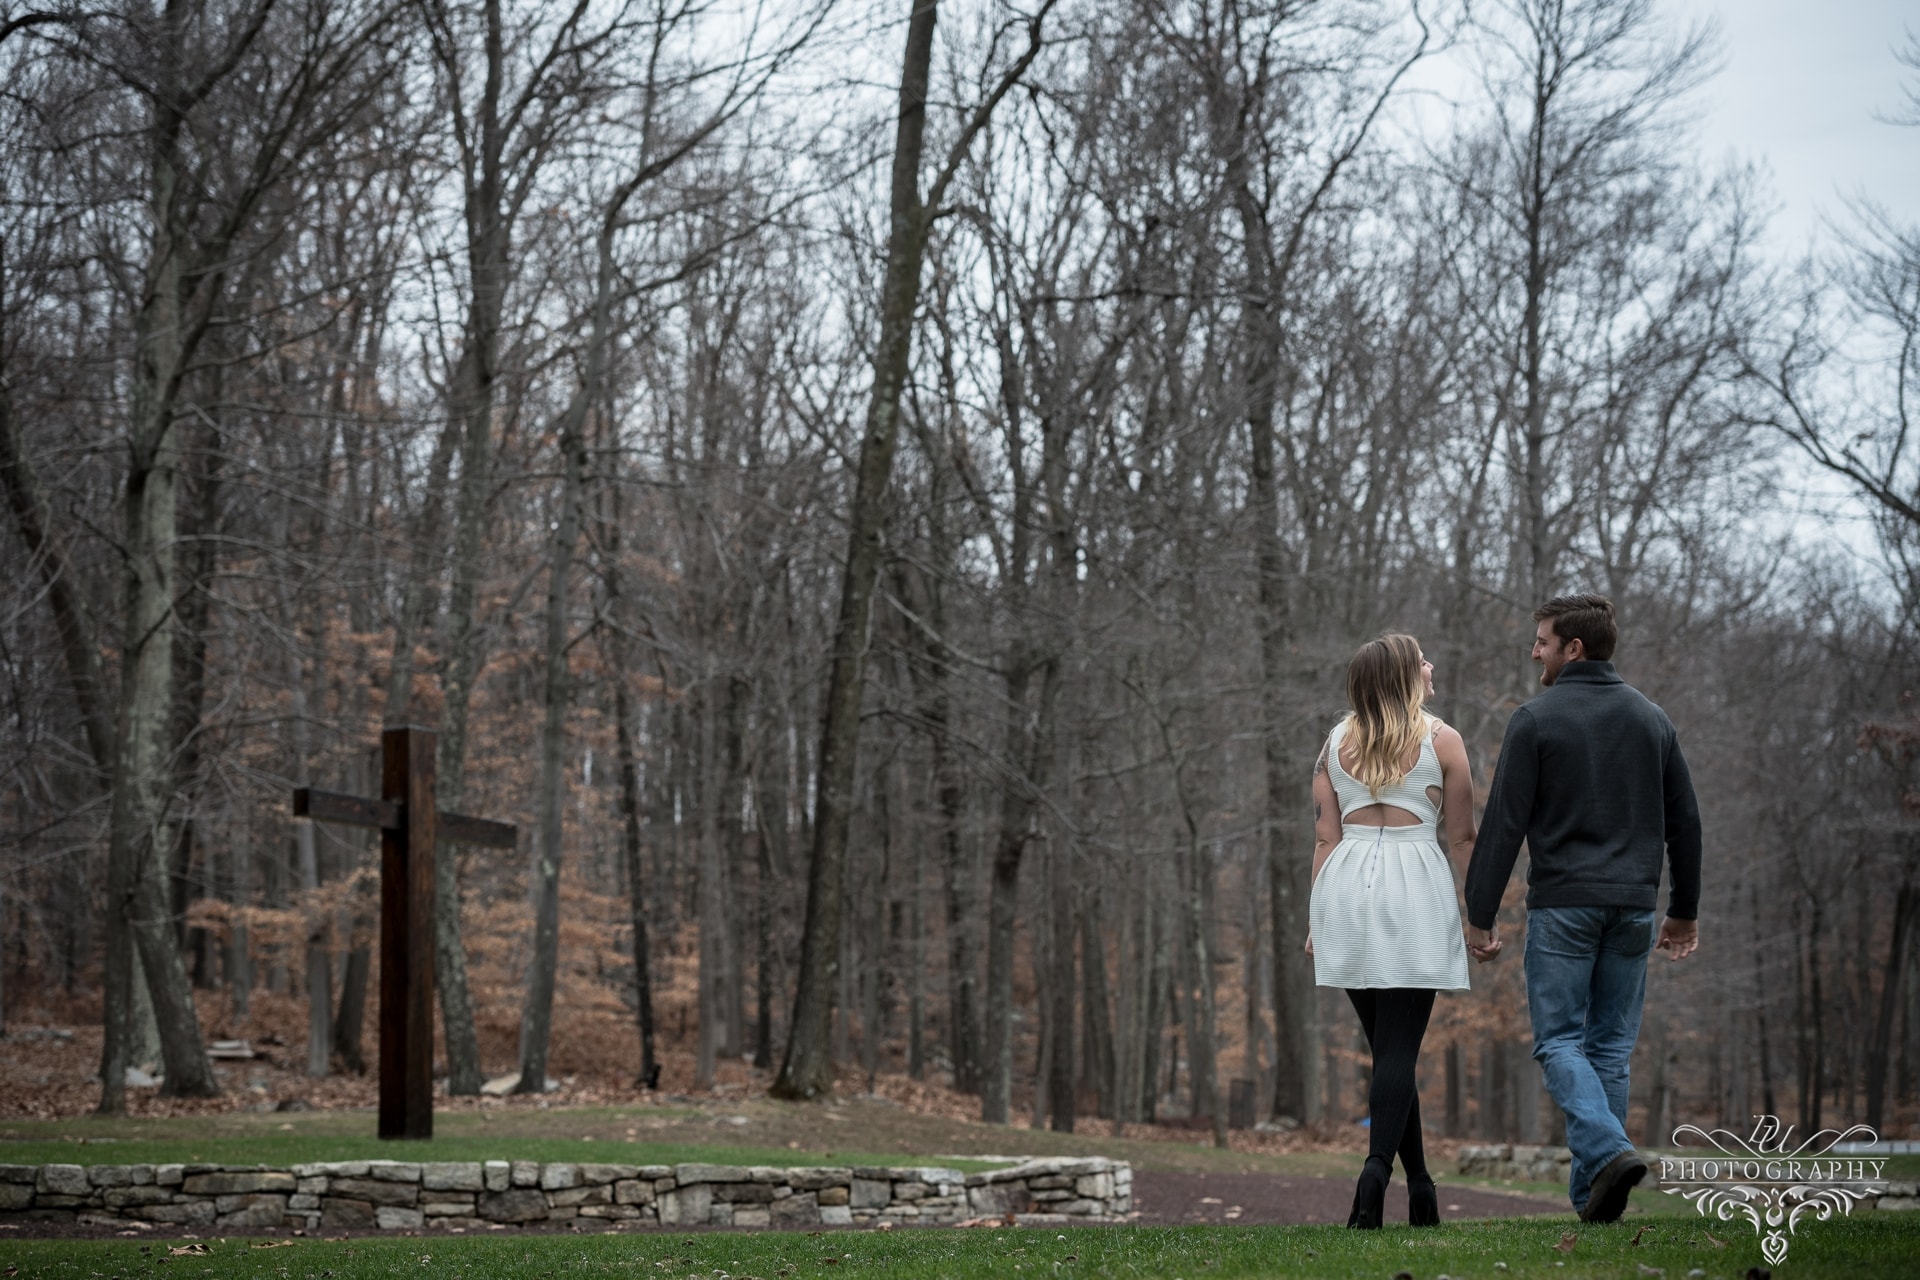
(1370, 1195)
(1423, 1203)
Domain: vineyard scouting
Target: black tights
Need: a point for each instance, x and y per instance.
(1395, 1020)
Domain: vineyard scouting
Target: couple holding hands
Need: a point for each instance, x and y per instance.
(1591, 776)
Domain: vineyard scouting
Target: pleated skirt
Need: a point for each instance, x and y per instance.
(1384, 913)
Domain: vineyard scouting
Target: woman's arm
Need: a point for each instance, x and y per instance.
(1457, 806)
(1326, 822)
(1326, 814)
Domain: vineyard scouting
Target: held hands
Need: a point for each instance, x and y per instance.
(1483, 944)
(1678, 938)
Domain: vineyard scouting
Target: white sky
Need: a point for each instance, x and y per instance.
(1800, 85)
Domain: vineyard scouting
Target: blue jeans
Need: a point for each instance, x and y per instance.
(1586, 982)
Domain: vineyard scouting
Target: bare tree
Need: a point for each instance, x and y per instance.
(806, 1071)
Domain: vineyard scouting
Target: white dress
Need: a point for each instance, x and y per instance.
(1384, 911)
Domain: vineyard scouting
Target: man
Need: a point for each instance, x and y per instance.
(1592, 778)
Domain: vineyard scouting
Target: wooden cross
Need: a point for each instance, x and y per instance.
(409, 829)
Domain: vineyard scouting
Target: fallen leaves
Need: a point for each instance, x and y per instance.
(1716, 1243)
(194, 1250)
(272, 1244)
(1636, 1235)
(1566, 1243)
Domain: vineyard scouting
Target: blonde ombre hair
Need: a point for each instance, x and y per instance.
(1388, 696)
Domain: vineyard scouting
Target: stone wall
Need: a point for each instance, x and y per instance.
(1553, 1164)
(359, 1195)
(1520, 1162)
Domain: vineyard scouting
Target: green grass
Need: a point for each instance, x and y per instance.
(1873, 1245)
(602, 1135)
(818, 1133)
(281, 1150)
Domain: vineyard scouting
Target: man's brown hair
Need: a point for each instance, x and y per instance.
(1587, 618)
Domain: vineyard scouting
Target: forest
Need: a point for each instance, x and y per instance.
(883, 497)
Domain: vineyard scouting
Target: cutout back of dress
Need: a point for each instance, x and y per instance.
(1410, 794)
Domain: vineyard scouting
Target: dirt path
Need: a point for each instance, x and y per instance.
(1186, 1199)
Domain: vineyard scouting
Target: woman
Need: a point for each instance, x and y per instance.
(1385, 920)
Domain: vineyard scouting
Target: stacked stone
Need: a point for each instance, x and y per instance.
(391, 1195)
(1518, 1161)
(1054, 1192)
(1901, 1196)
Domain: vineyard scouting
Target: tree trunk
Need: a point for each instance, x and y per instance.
(239, 965)
(934, 670)
(1099, 1054)
(33, 517)
(1456, 1108)
(916, 977)
(1202, 1032)
(306, 852)
(1659, 1088)
(1892, 977)
(471, 405)
(349, 1023)
(1029, 751)
(807, 1072)
(1256, 1024)
(536, 1017)
(199, 536)
(733, 850)
(319, 965)
(1526, 1092)
(1159, 985)
(649, 1075)
(141, 824)
(710, 886)
(1060, 1016)
(770, 801)
(1492, 1095)
(1761, 988)
(143, 1031)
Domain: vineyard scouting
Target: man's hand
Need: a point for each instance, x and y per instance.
(1309, 943)
(1483, 944)
(1681, 938)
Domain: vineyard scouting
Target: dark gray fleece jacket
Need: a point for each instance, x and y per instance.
(1592, 778)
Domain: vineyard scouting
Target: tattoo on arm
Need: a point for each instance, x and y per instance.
(1320, 765)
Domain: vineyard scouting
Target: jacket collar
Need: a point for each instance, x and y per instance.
(1588, 671)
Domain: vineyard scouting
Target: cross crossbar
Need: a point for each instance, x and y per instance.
(359, 811)
(409, 830)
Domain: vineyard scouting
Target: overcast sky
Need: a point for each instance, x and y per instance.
(1800, 84)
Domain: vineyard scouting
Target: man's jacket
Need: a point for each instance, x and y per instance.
(1592, 778)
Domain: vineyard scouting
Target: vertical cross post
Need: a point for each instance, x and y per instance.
(409, 825)
(406, 935)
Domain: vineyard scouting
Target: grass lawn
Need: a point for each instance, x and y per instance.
(281, 1150)
(1873, 1245)
(608, 1135)
(755, 1131)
